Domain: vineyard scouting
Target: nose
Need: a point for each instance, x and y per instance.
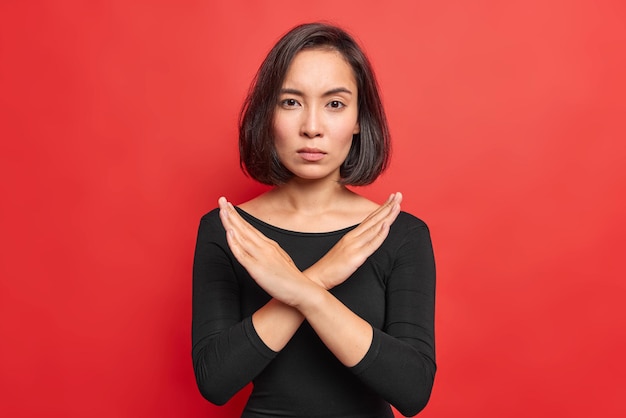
(311, 123)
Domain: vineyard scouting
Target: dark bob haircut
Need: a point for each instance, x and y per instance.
(369, 155)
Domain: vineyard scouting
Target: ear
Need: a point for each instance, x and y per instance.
(357, 128)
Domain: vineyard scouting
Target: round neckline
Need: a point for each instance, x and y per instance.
(289, 231)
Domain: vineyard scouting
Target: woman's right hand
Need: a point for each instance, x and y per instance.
(356, 246)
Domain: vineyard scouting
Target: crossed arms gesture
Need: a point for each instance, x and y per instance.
(299, 295)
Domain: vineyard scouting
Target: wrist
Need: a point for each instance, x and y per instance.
(312, 301)
(315, 274)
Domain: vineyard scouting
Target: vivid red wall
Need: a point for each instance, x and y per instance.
(118, 126)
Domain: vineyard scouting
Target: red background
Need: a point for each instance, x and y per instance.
(118, 126)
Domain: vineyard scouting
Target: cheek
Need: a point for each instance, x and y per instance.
(346, 129)
(344, 138)
(277, 135)
(280, 129)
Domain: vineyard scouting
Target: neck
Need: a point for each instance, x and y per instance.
(311, 197)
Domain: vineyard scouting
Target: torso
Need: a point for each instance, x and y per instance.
(306, 379)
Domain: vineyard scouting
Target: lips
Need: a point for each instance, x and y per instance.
(311, 154)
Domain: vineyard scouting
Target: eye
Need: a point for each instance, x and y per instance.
(336, 104)
(289, 103)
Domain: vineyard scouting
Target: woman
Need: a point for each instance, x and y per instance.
(320, 297)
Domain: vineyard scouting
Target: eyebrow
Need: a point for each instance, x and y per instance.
(327, 93)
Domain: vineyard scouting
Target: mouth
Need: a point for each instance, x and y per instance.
(311, 154)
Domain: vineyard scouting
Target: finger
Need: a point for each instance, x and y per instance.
(231, 218)
(244, 243)
(246, 238)
(376, 227)
(233, 243)
(375, 235)
(384, 211)
(244, 225)
(239, 232)
(389, 209)
(223, 205)
(374, 217)
(386, 207)
(383, 206)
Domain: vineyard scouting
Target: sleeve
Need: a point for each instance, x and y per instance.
(227, 352)
(400, 364)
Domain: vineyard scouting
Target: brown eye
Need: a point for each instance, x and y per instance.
(289, 103)
(336, 104)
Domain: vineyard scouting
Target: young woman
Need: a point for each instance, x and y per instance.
(320, 297)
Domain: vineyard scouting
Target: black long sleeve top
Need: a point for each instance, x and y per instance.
(394, 290)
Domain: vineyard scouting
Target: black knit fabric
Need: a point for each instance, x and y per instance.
(394, 290)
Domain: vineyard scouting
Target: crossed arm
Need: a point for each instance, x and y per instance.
(229, 351)
(304, 295)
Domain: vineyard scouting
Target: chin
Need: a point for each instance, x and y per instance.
(313, 172)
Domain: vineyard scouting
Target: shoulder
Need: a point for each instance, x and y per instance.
(211, 225)
(407, 220)
(211, 215)
(408, 228)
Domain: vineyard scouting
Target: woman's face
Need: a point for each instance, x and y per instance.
(316, 115)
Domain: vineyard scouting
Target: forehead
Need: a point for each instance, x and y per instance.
(321, 68)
